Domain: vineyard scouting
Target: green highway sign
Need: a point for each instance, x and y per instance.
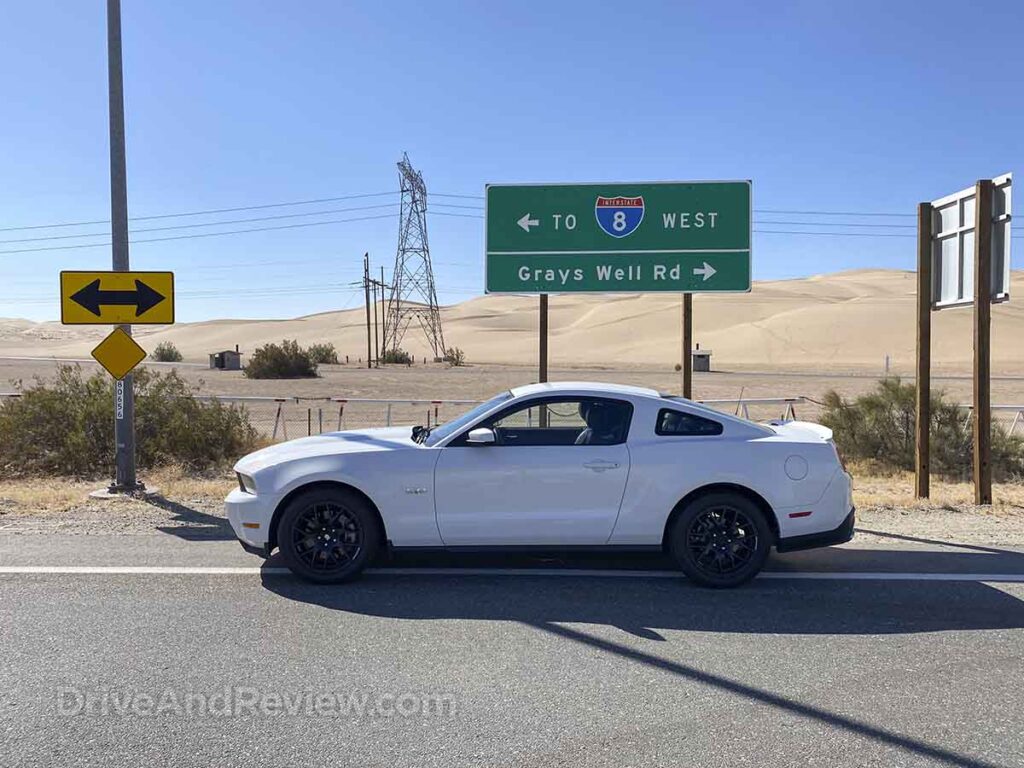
(690, 237)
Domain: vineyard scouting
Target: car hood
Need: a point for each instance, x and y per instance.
(329, 444)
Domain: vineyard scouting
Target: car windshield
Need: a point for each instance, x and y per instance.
(442, 431)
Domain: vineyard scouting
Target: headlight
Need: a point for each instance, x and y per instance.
(246, 483)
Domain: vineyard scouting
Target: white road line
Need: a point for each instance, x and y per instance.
(151, 570)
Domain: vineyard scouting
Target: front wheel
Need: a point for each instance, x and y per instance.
(328, 535)
(720, 540)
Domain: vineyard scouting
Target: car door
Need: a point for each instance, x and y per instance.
(535, 485)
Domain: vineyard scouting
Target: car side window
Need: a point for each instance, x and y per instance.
(562, 421)
(680, 424)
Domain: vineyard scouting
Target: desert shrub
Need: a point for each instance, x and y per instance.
(396, 357)
(67, 428)
(166, 352)
(286, 360)
(323, 354)
(878, 428)
(455, 357)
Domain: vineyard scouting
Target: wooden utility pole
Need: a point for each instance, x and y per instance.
(366, 290)
(383, 308)
(542, 364)
(376, 339)
(922, 443)
(982, 342)
(687, 345)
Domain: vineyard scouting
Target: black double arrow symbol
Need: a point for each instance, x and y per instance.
(143, 298)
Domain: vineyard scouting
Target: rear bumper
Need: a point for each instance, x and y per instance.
(839, 535)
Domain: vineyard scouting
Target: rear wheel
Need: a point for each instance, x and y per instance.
(720, 540)
(328, 535)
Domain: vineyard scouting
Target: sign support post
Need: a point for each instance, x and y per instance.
(982, 343)
(687, 345)
(922, 442)
(125, 480)
(542, 363)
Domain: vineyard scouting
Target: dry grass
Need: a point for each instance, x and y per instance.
(897, 490)
(54, 496)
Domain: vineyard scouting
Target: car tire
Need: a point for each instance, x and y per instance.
(720, 540)
(328, 535)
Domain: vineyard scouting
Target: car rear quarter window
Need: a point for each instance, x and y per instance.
(680, 424)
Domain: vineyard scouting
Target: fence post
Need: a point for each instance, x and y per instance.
(389, 415)
(309, 422)
(277, 419)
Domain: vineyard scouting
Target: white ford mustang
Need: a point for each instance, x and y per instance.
(551, 466)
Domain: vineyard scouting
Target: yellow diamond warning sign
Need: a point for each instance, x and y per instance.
(117, 298)
(119, 353)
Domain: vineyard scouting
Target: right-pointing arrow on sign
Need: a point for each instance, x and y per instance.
(526, 222)
(707, 270)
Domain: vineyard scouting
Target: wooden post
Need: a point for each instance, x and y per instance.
(982, 342)
(542, 364)
(687, 345)
(376, 338)
(366, 289)
(922, 443)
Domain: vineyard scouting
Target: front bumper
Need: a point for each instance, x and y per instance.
(839, 535)
(250, 517)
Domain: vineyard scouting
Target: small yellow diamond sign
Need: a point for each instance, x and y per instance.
(119, 353)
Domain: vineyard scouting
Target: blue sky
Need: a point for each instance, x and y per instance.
(864, 107)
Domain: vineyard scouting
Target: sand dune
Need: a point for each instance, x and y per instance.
(847, 320)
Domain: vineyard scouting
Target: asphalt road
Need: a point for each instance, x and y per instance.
(836, 659)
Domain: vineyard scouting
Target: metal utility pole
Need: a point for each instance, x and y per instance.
(413, 293)
(366, 290)
(125, 480)
(922, 442)
(982, 342)
(687, 345)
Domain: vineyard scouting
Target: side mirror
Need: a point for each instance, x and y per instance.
(481, 436)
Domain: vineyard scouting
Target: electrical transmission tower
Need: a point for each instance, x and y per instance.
(413, 295)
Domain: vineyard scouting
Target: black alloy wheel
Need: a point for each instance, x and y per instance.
(328, 535)
(721, 540)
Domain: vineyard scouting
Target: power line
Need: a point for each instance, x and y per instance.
(205, 234)
(210, 223)
(206, 212)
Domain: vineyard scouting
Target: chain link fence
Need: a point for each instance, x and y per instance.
(285, 418)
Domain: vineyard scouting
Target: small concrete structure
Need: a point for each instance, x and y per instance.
(228, 360)
(701, 359)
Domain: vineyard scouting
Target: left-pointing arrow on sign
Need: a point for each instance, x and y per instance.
(526, 222)
(143, 298)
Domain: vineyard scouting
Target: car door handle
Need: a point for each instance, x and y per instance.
(601, 466)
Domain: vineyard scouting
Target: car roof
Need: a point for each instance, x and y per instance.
(595, 387)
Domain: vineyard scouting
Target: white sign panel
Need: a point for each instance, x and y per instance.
(953, 246)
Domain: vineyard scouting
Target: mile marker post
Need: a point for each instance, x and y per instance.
(125, 480)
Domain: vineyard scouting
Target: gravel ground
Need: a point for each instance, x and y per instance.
(194, 505)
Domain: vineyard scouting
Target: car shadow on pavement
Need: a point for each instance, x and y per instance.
(645, 607)
(192, 524)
